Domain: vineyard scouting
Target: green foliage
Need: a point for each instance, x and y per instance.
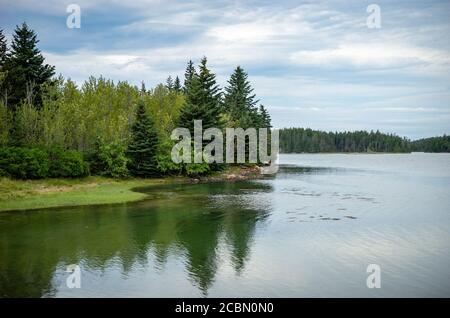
(35, 163)
(66, 163)
(297, 140)
(6, 124)
(109, 159)
(26, 71)
(433, 144)
(197, 169)
(164, 158)
(24, 163)
(142, 148)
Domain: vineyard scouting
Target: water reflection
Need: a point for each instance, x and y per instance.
(186, 220)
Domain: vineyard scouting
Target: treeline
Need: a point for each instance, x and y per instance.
(107, 128)
(300, 140)
(433, 144)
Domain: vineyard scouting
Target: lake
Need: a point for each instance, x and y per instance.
(310, 231)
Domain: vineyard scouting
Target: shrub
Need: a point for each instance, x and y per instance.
(109, 159)
(24, 163)
(67, 163)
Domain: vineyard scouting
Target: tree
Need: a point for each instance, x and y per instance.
(239, 101)
(26, 71)
(3, 49)
(177, 85)
(169, 83)
(142, 149)
(265, 117)
(188, 75)
(3, 57)
(202, 100)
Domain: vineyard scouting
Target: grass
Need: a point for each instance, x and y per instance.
(48, 193)
(35, 194)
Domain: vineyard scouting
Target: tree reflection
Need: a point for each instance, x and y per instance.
(186, 221)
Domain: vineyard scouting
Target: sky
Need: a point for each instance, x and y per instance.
(313, 64)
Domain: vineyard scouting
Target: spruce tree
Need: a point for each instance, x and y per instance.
(188, 75)
(265, 117)
(143, 145)
(3, 50)
(26, 71)
(202, 100)
(239, 101)
(169, 83)
(177, 85)
(3, 57)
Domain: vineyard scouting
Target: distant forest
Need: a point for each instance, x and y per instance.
(298, 140)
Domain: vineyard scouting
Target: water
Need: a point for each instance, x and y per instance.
(309, 232)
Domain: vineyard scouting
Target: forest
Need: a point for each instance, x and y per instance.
(50, 127)
(301, 140)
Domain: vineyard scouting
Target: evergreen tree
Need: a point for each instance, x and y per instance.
(202, 100)
(265, 117)
(188, 75)
(239, 101)
(142, 149)
(3, 50)
(177, 85)
(169, 83)
(3, 57)
(143, 91)
(26, 71)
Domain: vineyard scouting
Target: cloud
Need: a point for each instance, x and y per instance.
(313, 64)
(371, 55)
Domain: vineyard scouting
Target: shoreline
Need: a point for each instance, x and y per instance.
(29, 195)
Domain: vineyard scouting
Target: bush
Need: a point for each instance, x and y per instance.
(109, 159)
(24, 163)
(164, 158)
(67, 164)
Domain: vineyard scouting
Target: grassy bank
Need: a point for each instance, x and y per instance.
(47, 193)
(23, 195)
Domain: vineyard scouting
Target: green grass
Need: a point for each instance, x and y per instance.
(48, 193)
(24, 195)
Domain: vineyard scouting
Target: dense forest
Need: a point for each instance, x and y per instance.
(298, 140)
(433, 144)
(50, 127)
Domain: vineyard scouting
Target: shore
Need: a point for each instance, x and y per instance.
(16, 195)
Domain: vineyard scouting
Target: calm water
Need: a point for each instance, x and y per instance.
(310, 231)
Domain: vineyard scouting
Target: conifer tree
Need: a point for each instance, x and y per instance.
(189, 74)
(177, 85)
(26, 71)
(169, 83)
(202, 100)
(239, 101)
(265, 117)
(142, 149)
(3, 50)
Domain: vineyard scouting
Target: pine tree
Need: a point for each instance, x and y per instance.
(202, 100)
(3, 50)
(169, 83)
(142, 148)
(177, 85)
(143, 91)
(239, 101)
(265, 117)
(188, 75)
(210, 96)
(3, 57)
(26, 71)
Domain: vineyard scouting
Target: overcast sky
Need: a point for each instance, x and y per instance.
(313, 64)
